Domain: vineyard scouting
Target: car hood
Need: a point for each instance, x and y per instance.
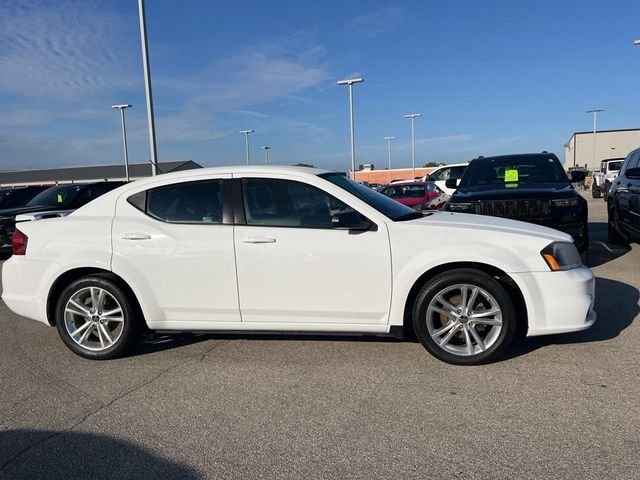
(12, 212)
(480, 223)
(490, 192)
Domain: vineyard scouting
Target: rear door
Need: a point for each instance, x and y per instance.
(175, 244)
(626, 196)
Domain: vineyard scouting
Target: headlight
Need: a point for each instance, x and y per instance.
(458, 207)
(561, 256)
(565, 202)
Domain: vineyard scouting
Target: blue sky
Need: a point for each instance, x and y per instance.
(490, 77)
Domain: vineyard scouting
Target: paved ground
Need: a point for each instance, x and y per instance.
(338, 407)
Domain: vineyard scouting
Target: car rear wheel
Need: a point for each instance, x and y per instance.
(464, 317)
(96, 319)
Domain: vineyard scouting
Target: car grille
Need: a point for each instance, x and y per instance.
(514, 208)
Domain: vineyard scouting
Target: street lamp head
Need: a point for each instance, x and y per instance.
(595, 110)
(266, 147)
(246, 132)
(389, 138)
(412, 115)
(636, 42)
(121, 106)
(350, 81)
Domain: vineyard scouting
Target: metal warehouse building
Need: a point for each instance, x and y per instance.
(54, 176)
(578, 151)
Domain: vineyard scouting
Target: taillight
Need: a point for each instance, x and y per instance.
(19, 243)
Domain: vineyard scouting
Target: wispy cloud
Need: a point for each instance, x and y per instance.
(378, 22)
(60, 49)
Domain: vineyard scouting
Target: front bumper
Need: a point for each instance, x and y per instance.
(558, 302)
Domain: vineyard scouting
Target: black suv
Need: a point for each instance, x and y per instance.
(529, 187)
(53, 199)
(18, 197)
(623, 202)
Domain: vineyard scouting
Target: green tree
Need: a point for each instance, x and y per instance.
(303, 165)
(432, 164)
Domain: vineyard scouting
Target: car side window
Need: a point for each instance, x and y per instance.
(286, 203)
(188, 202)
(633, 161)
(442, 174)
(93, 191)
(457, 172)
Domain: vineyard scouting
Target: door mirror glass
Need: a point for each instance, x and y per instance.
(633, 173)
(349, 221)
(452, 183)
(577, 175)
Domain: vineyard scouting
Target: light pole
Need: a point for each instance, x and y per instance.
(246, 136)
(413, 117)
(147, 88)
(122, 107)
(388, 139)
(595, 120)
(350, 82)
(266, 149)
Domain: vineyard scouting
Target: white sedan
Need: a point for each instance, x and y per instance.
(291, 249)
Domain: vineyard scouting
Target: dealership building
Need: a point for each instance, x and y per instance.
(578, 151)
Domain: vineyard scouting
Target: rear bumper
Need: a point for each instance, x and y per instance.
(24, 287)
(558, 302)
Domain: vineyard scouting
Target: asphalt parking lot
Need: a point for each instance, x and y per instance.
(216, 406)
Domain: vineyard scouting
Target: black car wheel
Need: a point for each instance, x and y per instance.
(464, 317)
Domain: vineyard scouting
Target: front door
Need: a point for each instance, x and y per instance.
(294, 267)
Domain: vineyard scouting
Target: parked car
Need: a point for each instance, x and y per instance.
(623, 202)
(603, 179)
(18, 196)
(53, 199)
(532, 188)
(420, 196)
(444, 173)
(268, 248)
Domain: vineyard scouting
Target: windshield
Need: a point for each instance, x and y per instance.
(389, 208)
(404, 191)
(514, 171)
(56, 196)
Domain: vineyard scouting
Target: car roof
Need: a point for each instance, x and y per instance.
(515, 157)
(464, 164)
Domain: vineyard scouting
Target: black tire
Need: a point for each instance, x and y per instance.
(128, 331)
(612, 228)
(474, 278)
(595, 192)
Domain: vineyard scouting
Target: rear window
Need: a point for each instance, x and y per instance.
(404, 191)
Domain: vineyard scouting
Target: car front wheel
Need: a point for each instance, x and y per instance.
(464, 317)
(96, 319)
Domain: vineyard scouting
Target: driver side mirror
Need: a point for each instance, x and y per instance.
(633, 173)
(577, 176)
(452, 183)
(350, 221)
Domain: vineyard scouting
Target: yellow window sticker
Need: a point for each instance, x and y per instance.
(59, 198)
(510, 175)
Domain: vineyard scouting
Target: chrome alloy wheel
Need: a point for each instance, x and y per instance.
(464, 319)
(94, 319)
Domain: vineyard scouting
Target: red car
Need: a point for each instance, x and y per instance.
(417, 195)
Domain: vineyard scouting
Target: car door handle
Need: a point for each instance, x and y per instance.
(135, 236)
(259, 240)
